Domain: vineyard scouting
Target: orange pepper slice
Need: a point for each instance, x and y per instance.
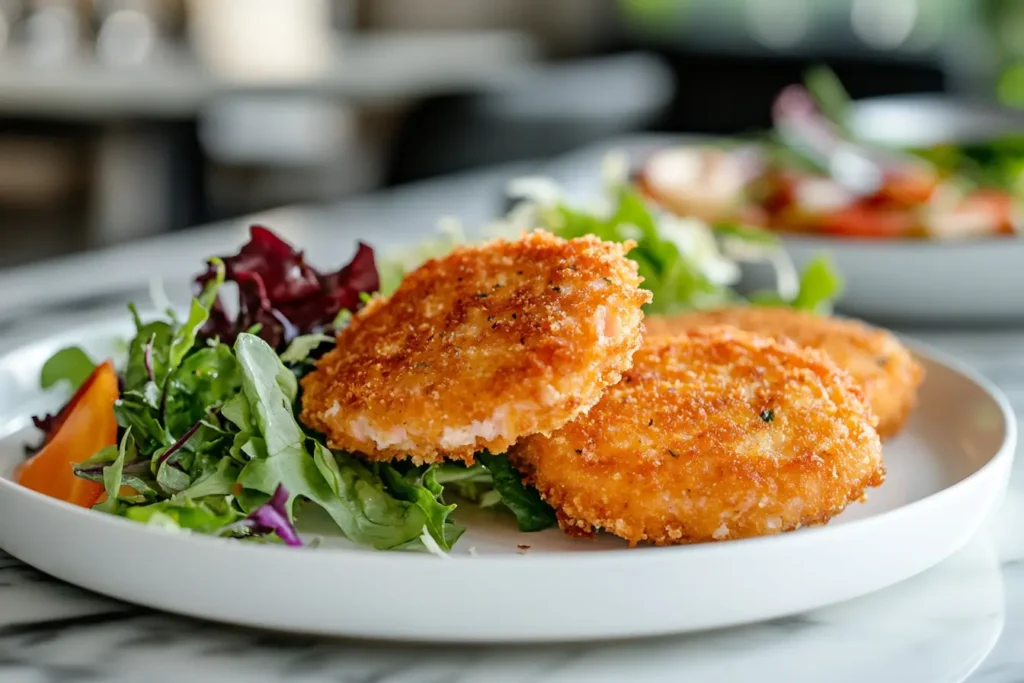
(88, 424)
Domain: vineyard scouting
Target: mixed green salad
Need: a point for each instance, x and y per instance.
(812, 174)
(199, 420)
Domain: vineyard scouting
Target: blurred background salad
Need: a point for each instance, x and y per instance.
(123, 119)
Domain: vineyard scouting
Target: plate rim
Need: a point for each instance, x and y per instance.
(1005, 451)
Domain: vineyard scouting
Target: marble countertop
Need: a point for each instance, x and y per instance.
(962, 620)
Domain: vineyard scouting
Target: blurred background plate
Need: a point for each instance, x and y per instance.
(892, 282)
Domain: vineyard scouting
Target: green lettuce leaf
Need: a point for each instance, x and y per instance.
(72, 365)
(205, 517)
(352, 495)
(830, 96)
(675, 279)
(135, 412)
(220, 481)
(155, 336)
(300, 348)
(472, 483)
(532, 513)
(423, 490)
(203, 382)
(820, 285)
(185, 336)
(751, 234)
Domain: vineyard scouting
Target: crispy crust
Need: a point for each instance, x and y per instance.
(684, 449)
(883, 367)
(479, 348)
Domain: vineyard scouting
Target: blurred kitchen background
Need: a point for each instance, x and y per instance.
(126, 118)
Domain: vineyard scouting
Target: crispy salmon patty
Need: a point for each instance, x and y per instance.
(479, 348)
(717, 434)
(875, 358)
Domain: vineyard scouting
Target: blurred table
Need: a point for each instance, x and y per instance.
(368, 68)
(150, 173)
(962, 620)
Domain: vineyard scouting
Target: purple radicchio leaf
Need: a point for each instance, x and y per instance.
(271, 517)
(282, 294)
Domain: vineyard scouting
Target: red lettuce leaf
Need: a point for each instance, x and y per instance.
(284, 295)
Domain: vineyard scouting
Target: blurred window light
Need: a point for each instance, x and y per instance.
(263, 41)
(126, 37)
(778, 23)
(51, 33)
(883, 24)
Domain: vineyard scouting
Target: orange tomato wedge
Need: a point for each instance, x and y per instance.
(88, 425)
(869, 222)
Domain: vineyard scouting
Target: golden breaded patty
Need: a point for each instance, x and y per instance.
(479, 348)
(717, 434)
(874, 358)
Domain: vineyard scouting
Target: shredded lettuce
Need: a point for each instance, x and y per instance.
(686, 264)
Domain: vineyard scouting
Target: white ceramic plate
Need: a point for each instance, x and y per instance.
(945, 473)
(895, 282)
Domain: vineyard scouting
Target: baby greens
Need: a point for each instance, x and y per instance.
(209, 441)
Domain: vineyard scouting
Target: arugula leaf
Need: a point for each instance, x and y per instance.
(532, 513)
(205, 381)
(236, 411)
(112, 475)
(71, 364)
(353, 497)
(170, 479)
(185, 336)
(820, 284)
(134, 472)
(149, 355)
(136, 413)
(208, 297)
(220, 481)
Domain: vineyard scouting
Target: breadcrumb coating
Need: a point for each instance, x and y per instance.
(875, 358)
(479, 348)
(718, 434)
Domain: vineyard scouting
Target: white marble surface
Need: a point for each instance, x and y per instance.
(962, 620)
